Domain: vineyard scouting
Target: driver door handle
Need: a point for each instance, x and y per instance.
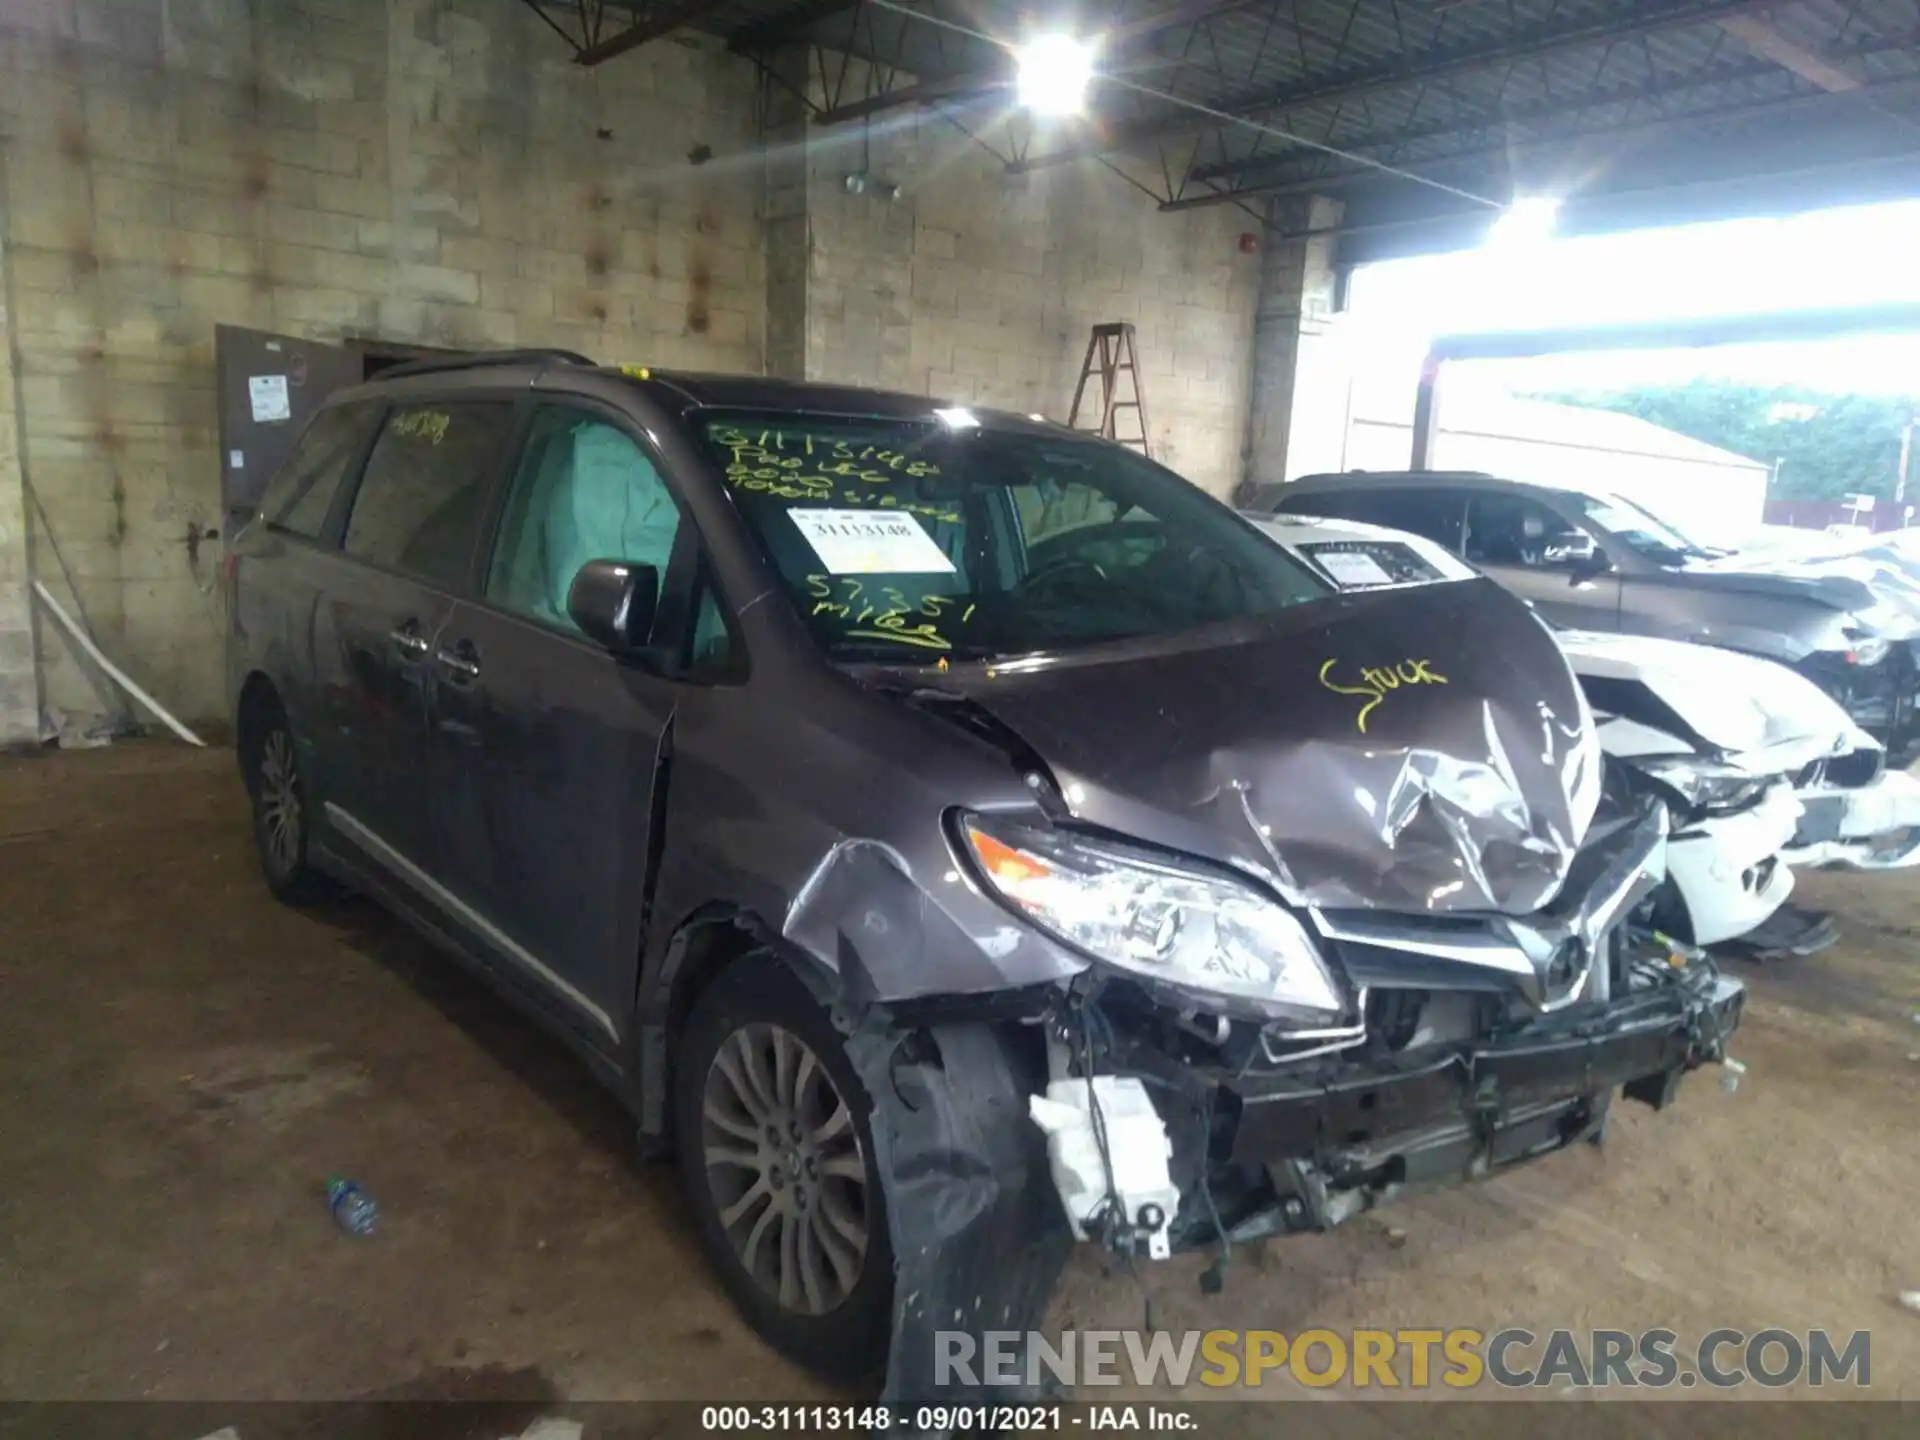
(409, 641)
(462, 662)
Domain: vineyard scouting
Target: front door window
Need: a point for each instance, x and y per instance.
(585, 491)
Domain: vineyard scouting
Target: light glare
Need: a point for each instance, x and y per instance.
(1053, 75)
(1527, 222)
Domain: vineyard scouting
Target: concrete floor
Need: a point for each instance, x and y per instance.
(183, 1063)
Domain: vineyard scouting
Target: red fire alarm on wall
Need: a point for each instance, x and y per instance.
(1249, 242)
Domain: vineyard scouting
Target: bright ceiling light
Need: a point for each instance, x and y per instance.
(1053, 75)
(1527, 222)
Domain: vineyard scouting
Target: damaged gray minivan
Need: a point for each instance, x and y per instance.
(862, 786)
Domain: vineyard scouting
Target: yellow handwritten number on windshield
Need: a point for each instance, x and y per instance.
(885, 619)
(1377, 680)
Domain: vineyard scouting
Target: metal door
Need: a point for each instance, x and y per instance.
(269, 387)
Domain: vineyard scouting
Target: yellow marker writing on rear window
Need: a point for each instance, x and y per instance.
(428, 425)
(1377, 680)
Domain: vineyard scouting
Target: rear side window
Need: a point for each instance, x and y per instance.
(301, 492)
(419, 503)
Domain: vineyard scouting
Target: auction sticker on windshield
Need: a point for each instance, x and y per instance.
(1352, 569)
(871, 542)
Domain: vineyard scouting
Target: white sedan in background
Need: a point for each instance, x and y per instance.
(1760, 769)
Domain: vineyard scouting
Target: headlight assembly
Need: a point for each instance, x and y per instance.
(1158, 921)
(1865, 646)
(1705, 784)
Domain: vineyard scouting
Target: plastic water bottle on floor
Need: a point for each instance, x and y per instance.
(353, 1209)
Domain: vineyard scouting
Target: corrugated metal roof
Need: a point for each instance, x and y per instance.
(1485, 95)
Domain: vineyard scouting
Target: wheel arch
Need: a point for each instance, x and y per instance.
(259, 699)
(704, 944)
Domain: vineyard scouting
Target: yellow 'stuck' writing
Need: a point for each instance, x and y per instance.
(1376, 681)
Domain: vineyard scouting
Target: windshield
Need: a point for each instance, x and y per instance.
(910, 542)
(1640, 531)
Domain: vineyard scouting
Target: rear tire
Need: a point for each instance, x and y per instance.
(282, 817)
(776, 1155)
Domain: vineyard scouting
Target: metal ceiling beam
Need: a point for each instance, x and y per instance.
(785, 26)
(668, 18)
(1597, 98)
(1757, 33)
(1507, 146)
(1119, 38)
(1252, 168)
(925, 93)
(1770, 191)
(1581, 214)
(1356, 81)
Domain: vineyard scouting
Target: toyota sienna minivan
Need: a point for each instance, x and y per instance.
(861, 786)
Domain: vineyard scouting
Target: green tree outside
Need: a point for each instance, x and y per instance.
(1829, 446)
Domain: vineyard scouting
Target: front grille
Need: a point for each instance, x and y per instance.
(1849, 771)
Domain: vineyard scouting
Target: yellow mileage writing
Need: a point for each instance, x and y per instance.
(884, 612)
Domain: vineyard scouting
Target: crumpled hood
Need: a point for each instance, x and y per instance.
(1739, 704)
(1425, 751)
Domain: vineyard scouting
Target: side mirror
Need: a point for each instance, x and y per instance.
(613, 603)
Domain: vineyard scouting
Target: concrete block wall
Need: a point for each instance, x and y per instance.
(440, 172)
(982, 288)
(426, 171)
(19, 678)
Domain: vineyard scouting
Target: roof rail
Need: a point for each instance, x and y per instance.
(478, 358)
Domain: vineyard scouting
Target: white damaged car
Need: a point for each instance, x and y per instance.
(1761, 770)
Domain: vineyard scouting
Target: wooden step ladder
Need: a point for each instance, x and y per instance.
(1111, 354)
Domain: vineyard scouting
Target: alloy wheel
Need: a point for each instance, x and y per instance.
(785, 1167)
(280, 801)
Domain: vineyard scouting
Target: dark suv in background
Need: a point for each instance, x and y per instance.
(1595, 562)
(838, 773)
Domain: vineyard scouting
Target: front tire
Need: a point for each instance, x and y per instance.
(282, 818)
(776, 1154)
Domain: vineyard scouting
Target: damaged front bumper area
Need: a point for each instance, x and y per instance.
(1333, 1143)
(1875, 826)
(1144, 1116)
(1474, 1047)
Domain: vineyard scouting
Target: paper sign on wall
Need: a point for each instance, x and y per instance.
(871, 542)
(1352, 569)
(269, 396)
